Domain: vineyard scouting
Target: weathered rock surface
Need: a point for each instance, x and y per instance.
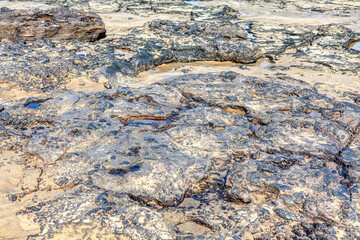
(47, 64)
(194, 11)
(176, 147)
(56, 23)
(279, 148)
(44, 64)
(329, 46)
(113, 214)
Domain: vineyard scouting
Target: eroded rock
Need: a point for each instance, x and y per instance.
(195, 156)
(218, 139)
(55, 23)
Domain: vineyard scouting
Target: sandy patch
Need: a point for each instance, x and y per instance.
(121, 23)
(12, 226)
(192, 228)
(17, 93)
(83, 84)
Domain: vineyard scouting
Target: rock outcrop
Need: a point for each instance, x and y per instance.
(220, 120)
(284, 150)
(59, 23)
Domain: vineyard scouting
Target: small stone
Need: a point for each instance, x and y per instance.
(12, 197)
(299, 197)
(287, 199)
(308, 226)
(241, 195)
(310, 205)
(61, 181)
(285, 214)
(118, 231)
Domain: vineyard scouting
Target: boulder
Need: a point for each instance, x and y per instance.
(59, 23)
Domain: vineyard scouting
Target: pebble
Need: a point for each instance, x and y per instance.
(12, 197)
(285, 214)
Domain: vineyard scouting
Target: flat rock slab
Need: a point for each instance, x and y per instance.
(222, 151)
(56, 23)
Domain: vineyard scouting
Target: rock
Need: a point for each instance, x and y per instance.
(100, 60)
(213, 90)
(167, 28)
(163, 175)
(184, 42)
(123, 212)
(240, 195)
(350, 158)
(267, 150)
(12, 197)
(220, 12)
(312, 182)
(172, 140)
(285, 214)
(333, 40)
(134, 162)
(56, 23)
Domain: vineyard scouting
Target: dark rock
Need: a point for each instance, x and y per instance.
(56, 23)
(12, 197)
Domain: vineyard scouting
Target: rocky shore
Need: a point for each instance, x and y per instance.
(158, 119)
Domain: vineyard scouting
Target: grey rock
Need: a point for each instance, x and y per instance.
(285, 214)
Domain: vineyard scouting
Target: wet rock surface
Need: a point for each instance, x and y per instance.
(265, 148)
(281, 150)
